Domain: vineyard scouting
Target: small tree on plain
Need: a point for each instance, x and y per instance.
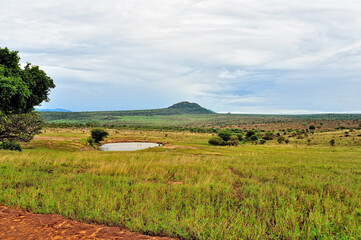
(21, 89)
(98, 134)
(217, 141)
(225, 135)
(281, 139)
(233, 141)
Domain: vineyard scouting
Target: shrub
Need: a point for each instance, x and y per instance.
(240, 136)
(253, 138)
(281, 139)
(250, 133)
(233, 141)
(262, 141)
(90, 141)
(300, 136)
(98, 134)
(10, 145)
(225, 135)
(217, 141)
(332, 142)
(268, 136)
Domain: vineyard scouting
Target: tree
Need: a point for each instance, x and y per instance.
(225, 135)
(98, 134)
(250, 133)
(268, 136)
(217, 141)
(20, 91)
(233, 141)
(20, 127)
(281, 139)
(253, 138)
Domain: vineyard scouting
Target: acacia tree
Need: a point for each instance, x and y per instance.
(20, 91)
(20, 127)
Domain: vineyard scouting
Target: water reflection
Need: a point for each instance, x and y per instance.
(128, 146)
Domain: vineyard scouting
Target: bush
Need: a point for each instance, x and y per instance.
(217, 141)
(233, 141)
(268, 136)
(332, 142)
(98, 134)
(253, 138)
(225, 135)
(250, 133)
(10, 145)
(281, 139)
(90, 141)
(240, 136)
(262, 141)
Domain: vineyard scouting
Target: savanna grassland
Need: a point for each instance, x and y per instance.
(191, 190)
(242, 121)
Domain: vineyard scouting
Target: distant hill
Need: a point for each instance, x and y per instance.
(176, 109)
(52, 110)
(189, 108)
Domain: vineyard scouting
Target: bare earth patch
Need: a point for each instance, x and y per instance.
(19, 224)
(56, 138)
(179, 147)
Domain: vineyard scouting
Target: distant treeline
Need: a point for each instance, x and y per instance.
(173, 117)
(180, 128)
(134, 127)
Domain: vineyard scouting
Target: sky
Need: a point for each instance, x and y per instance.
(239, 56)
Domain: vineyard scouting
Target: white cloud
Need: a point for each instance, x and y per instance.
(225, 55)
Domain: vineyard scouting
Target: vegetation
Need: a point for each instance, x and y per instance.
(20, 90)
(190, 189)
(152, 118)
(10, 145)
(20, 127)
(98, 134)
(225, 138)
(217, 141)
(187, 188)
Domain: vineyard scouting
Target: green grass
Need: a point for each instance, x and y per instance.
(269, 122)
(191, 190)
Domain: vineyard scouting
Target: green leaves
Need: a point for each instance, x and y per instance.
(20, 127)
(13, 94)
(21, 89)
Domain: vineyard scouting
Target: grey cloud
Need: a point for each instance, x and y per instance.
(227, 55)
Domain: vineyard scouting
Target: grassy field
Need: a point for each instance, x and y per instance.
(243, 121)
(189, 189)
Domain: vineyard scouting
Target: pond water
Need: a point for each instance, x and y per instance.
(128, 146)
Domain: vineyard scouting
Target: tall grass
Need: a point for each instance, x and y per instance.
(191, 190)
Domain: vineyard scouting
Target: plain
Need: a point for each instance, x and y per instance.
(191, 190)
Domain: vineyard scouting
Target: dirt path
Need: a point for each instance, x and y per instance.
(19, 224)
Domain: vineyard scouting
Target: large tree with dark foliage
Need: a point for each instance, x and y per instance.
(21, 89)
(20, 127)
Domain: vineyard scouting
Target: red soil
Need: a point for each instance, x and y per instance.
(18, 224)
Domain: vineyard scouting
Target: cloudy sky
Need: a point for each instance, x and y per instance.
(264, 56)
